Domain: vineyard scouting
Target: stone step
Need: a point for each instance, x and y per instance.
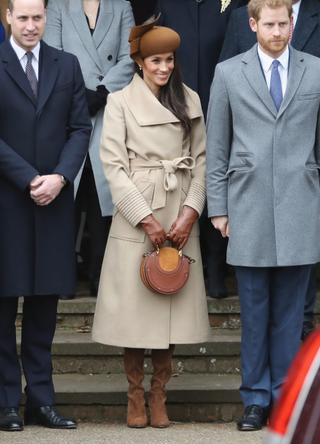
(76, 353)
(223, 313)
(206, 398)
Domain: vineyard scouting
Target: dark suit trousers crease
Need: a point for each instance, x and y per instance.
(38, 328)
(272, 301)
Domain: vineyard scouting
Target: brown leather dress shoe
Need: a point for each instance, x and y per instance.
(48, 416)
(10, 420)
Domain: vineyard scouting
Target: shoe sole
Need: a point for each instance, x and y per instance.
(12, 429)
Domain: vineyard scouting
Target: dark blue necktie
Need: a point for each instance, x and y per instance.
(31, 75)
(275, 85)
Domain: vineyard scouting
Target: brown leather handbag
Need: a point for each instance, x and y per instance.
(165, 271)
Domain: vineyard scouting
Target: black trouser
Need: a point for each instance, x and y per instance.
(38, 328)
(87, 200)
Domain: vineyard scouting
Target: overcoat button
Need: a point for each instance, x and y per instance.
(110, 57)
(101, 78)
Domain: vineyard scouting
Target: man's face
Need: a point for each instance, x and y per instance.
(273, 30)
(27, 22)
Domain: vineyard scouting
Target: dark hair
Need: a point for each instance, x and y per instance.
(173, 97)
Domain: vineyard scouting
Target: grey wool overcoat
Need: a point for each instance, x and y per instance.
(263, 166)
(143, 152)
(104, 60)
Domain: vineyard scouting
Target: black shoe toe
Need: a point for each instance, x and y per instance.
(48, 416)
(10, 420)
(255, 418)
(307, 328)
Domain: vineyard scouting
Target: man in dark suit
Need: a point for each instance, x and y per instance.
(44, 135)
(202, 25)
(306, 37)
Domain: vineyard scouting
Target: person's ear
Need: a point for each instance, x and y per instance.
(253, 24)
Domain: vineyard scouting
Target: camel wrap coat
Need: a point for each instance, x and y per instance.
(150, 170)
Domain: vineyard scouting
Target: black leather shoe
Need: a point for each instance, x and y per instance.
(48, 417)
(65, 297)
(10, 420)
(307, 328)
(254, 418)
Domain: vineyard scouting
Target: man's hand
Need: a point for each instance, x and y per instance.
(44, 189)
(221, 223)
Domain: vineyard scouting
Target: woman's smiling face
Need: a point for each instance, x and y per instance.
(157, 70)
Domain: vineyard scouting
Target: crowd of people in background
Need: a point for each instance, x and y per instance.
(189, 129)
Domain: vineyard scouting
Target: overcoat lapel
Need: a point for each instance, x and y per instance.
(296, 71)
(306, 23)
(14, 69)
(48, 72)
(105, 18)
(253, 72)
(140, 100)
(79, 20)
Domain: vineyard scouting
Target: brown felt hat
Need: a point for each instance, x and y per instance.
(147, 40)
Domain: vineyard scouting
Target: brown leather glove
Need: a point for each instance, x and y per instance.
(154, 230)
(181, 228)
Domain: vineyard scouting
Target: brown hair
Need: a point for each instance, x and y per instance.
(173, 97)
(255, 6)
(11, 3)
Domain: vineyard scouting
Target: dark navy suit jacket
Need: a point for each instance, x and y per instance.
(43, 137)
(306, 37)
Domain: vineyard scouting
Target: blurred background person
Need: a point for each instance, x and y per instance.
(2, 31)
(202, 25)
(97, 32)
(142, 10)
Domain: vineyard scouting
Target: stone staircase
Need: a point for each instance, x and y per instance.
(89, 380)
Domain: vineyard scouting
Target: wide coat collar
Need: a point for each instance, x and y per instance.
(48, 72)
(253, 72)
(146, 108)
(105, 18)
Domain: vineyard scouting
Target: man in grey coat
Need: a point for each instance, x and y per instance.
(306, 37)
(263, 160)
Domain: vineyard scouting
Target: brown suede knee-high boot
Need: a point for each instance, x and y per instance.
(133, 367)
(161, 361)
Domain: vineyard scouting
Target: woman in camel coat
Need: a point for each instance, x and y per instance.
(156, 176)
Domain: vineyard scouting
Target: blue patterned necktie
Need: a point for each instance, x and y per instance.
(31, 75)
(275, 85)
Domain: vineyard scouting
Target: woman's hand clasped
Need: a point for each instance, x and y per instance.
(181, 228)
(154, 230)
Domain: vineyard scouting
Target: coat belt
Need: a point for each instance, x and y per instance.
(166, 179)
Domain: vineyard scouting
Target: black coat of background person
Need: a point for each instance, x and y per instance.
(306, 35)
(142, 10)
(200, 45)
(47, 137)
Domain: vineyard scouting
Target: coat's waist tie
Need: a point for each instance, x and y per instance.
(166, 179)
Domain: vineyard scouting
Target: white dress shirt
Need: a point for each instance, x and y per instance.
(266, 63)
(21, 54)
